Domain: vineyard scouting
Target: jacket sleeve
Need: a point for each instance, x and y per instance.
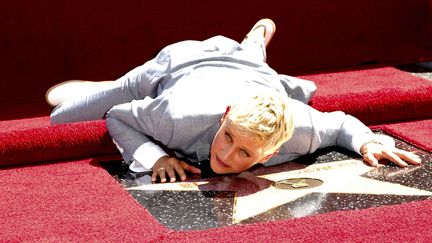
(315, 130)
(337, 129)
(137, 127)
(340, 129)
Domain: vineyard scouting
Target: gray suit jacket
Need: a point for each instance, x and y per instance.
(174, 103)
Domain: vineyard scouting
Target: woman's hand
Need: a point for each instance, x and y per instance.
(373, 152)
(171, 166)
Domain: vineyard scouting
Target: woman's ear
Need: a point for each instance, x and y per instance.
(225, 115)
(268, 156)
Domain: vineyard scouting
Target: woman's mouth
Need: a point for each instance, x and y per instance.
(221, 164)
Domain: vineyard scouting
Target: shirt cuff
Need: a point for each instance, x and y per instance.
(360, 140)
(144, 158)
(385, 140)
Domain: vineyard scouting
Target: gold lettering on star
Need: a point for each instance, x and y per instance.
(299, 184)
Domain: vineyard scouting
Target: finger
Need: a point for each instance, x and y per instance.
(408, 156)
(154, 176)
(180, 171)
(370, 158)
(171, 174)
(155, 173)
(162, 174)
(190, 168)
(394, 158)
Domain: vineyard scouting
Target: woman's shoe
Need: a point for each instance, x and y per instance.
(269, 29)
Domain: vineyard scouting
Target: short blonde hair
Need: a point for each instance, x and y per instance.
(265, 116)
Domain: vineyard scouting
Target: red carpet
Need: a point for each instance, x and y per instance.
(37, 142)
(69, 202)
(375, 96)
(418, 133)
(79, 201)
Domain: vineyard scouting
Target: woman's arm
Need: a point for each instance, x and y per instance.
(340, 129)
(134, 128)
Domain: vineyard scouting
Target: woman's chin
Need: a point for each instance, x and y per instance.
(214, 167)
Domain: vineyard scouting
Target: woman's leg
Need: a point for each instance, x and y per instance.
(85, 100)
(72, 89)
(259, 38)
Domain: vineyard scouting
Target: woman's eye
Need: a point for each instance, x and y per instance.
(228, 137)
(244, 153)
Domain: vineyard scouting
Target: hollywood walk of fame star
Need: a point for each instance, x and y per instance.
(345, 183)
(255, 195)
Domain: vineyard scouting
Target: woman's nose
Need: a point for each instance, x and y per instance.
(227, 152)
